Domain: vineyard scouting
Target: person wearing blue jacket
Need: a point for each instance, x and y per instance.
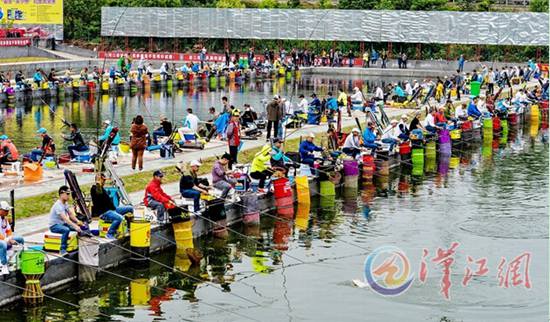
(369, 136)
(108, 128)
(307, 148)
(331, 105)
(37, 78)
(472, 108)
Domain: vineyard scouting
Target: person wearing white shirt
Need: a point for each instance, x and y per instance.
(191, 121)
(352, 145)
(391, 134)
(287, 107)
(429, 122)
(379, 94)
(403, 128)
(408, 88)
(303, 104)
(460, 112)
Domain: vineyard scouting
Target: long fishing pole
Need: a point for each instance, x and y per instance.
(153, 286)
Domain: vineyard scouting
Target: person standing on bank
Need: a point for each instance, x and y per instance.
(233, 134)
(138, 142)
(274, 116)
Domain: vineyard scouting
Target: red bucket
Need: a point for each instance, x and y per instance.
(191, 76)
(404, 148)
(284, 202)
(286, 212)
(91, 86)
(544, 105)
(496, 124)
(466, 126)
(282, 188)
(513, 118)
(368, 160)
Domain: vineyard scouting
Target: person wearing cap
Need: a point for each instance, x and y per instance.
(8, 151)
(103, 206)
(352, 145)
(155, 197)
(369, 136)
(220, 178)
(403, 128)
(47, 147)
(191, 186)
(274, 115)
(165, 129)
(63, 219)
(259, 169)
(7, 238)
(307, 147)
(233, 134)
(107, 132)
(78, 141)
(391, 134)
(278, 158)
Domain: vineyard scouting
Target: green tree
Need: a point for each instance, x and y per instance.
(429, 4)
(538, 5)
(229, 4)
(485, 5)
(466, 5)
(268, 4)
(358, 4)
(293, 3)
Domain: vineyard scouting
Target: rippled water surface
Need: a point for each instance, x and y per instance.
(21, 121)
(492, 199)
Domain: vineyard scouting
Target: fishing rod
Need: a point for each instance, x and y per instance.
(164, 290)
(76, 306)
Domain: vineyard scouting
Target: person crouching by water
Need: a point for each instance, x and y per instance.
(306, 150)
(63, 219)
(259, 169)
(220, 178)
(78, 141)
(102, 206)
(7, 239)
(191, 186)
(155, 197)
(352, 145)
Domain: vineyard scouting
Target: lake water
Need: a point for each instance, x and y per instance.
(22, 121)
(493, 202)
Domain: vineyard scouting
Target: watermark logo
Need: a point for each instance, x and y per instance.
(388, 271)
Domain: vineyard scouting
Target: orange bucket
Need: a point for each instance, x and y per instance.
(32, 172)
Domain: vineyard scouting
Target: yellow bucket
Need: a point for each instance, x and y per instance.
(105, 86)
(124, 147)
(182, 262)
(104, 228)
(302, 216)
(302, 189)
(456, 134)
(45, 85)
(183, 234)
(140, 234)
(454, 162)
(76, 83)
(535, 113)
(140, 291)
(156, 78)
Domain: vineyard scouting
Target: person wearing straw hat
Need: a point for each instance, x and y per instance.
(352, 145)
(7, 238)
(63, 219)
(391, 134)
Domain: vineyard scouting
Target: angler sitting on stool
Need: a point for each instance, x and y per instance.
(156, 199)
(103, 206)
(7, 239)
(369, 137)
(191, 186)
(220, 177)
(307, 148)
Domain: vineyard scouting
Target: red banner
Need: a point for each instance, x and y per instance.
(161, 56)
(15, 42)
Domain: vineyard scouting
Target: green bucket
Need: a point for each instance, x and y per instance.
(169, 85)
(417, 170)
(430, 165)
(223, 79)
(417, 156)
(488, 123)
(31, 262)
(213, 82)
(430, 149)
(327, 188)
(475, 88)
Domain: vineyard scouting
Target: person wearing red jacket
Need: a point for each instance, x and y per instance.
(440, 119)
(156, 199)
